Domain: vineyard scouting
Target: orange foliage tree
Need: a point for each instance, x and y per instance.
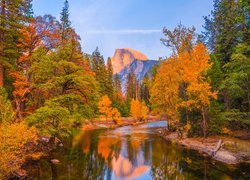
(183, 73)
(138, 109)
(105, 108)
(17, 143)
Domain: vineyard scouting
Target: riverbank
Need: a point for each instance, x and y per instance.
(102, 123)
(225, 149)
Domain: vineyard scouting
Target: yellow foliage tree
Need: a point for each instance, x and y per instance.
(17, 143)
(138, 109)
(110, 113)
(165, 91)
(199, 92)
(186, 68)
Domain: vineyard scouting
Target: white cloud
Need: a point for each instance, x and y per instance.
(126, 31)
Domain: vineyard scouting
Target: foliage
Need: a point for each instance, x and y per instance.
(17, 142)
(139, 110)
(109, 112)
(6, 111)
(51, 119)
(236, 120)
(181, 81)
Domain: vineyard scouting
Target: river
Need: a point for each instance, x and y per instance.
(130, 153)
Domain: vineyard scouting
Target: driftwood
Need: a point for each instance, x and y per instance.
(219, 145)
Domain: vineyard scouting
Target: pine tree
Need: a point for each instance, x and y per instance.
(117, 87)
(132, 86)
(14, 14)
(226, 27)
(100, 70)
(145, 96)
(110, 83)
(65, 22)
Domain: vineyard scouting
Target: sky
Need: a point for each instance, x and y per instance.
(137, 24)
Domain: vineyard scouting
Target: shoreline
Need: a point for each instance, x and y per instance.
(127, 121)
(231, 151)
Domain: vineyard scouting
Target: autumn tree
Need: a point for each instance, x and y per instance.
(165, 92)
(105, 107)
(182, 80)
(199, 91)
(139, 110)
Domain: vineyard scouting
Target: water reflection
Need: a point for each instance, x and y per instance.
(128, 153)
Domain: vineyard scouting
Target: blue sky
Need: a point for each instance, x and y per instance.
(137, 24)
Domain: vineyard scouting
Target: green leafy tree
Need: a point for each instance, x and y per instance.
(6, 110)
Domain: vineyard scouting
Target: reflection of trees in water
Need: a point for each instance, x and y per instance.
(165, 161)
(99, 154)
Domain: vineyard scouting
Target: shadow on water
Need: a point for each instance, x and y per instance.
(130, 153)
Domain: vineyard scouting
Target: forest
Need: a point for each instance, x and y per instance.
(50, 86)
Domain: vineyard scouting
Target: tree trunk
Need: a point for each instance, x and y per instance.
(1, 74)
(204, 122)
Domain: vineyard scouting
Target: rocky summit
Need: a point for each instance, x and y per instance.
(124, 57)
(126, 60)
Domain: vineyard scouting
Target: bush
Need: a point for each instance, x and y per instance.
(17, 143)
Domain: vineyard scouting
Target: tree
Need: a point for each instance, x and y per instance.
(139, 110)
(106, 109)
(14, 14)
(182, 82)
(51, 119)
(6, 110)
(226, 27)
(100, 70)
(195, 66)
(110, 83)
(165, 92)
(236, 84)
(180, 39)
(145, 85)
(132, 86)
(65, 22)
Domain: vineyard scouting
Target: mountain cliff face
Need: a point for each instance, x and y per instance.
(125, 60)
(124, 57)
(139, 67)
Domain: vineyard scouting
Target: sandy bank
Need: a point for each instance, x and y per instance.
(224, 149)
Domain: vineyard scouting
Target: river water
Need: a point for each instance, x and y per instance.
(130, 153)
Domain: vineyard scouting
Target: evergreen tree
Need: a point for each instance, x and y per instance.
(65, 22)
(145, 96)
(131, 86)
(110, 83)
(227, 26)
(100, 70)
(14, 14)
